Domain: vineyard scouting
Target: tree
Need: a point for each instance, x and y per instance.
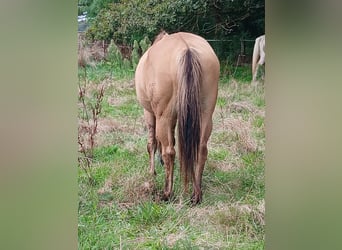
(125, 21)
(92, 7)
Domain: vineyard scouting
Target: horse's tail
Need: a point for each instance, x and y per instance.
(256, 54)
(189, 112)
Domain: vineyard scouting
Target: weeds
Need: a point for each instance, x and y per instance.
(88, 129)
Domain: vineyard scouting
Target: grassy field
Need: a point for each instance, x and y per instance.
(120, 208)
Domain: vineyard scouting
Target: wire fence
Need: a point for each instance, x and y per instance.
(237, 52)
(232, 51)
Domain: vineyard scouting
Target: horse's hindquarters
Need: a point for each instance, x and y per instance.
(177, 78)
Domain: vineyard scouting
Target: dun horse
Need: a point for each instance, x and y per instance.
(258, 55)
(176, 79)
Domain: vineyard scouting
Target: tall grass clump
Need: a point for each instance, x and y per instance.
(145, 44)
(135, 54)
(139, 48)
(118, 65)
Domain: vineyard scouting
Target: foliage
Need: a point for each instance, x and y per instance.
(83, 6)
(102, 27)
(125, 21)
(92, 7)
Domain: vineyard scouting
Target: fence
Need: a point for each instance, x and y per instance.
(232, 51)
(237, 52)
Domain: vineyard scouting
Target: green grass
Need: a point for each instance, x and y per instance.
(242, 73)
(103, 70)
(122, 209)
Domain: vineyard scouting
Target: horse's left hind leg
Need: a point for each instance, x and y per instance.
(152, 143)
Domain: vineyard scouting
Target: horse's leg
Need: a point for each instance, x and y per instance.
(150, 120)
(165, 135)
(206, 124)
(160, 154)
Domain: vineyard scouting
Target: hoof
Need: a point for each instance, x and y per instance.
(161, 159)
(166, 197)
(154, 173)
(196, 199)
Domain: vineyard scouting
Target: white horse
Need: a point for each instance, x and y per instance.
(258, 55)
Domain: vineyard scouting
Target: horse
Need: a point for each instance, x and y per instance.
(258, 55)
(177, 80)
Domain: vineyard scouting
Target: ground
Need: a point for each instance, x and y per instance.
(121, 209)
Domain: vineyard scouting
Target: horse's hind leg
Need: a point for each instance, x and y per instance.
(150, 120)
(202, 158)
(160, 154)
(165, 135)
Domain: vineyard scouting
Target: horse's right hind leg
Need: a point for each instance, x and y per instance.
(165, 135)
(207, 125)
(150, 120)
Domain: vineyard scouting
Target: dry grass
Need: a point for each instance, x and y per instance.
(242, 129)
(230, 220)
(234, 124)
(89, 54)
(84, 53)
(137, 189)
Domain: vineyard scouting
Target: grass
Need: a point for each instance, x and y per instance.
(122, 209)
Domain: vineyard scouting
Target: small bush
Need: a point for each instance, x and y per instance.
(135, 54)
(114, 56)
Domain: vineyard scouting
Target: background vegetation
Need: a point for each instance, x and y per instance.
(126, 21)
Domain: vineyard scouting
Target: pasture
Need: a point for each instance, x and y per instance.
(119, 202)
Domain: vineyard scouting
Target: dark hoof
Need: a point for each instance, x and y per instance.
(153, 173)
(196, 199)
(161, 159)
(166, 197)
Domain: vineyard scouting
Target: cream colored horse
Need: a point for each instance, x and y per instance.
(176, 79)
(258, 55)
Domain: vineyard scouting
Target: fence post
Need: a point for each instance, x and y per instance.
(104, 50)
(242, 56)
(242, 47)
